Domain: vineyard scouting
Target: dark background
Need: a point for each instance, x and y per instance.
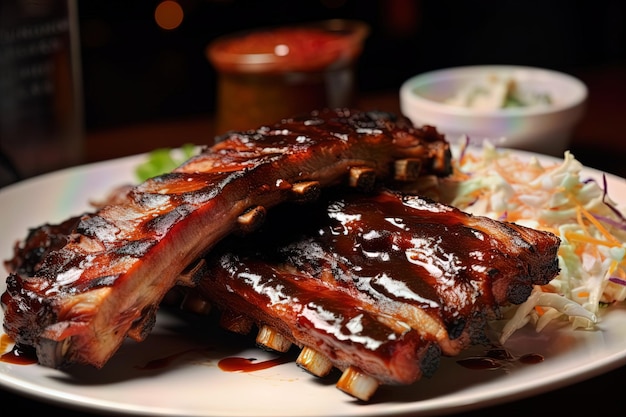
(134, 72)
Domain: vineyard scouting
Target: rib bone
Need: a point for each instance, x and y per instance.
(306, 191)
(273, 340)
(408, 169)
(357, 384)
(362, 178)
(186, 277)
(314, 362)
(251, 219)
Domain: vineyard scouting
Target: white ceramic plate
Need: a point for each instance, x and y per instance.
(175, 371)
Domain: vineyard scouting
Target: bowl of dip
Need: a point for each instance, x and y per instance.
(520, 107)
(270, 73)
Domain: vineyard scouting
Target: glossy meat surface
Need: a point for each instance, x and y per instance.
(407, 261)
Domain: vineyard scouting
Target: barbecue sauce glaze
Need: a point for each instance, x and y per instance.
(348, 271)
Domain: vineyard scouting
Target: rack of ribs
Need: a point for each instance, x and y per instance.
(77, 290)
(356, 276)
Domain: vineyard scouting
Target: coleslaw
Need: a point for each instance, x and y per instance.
(498, 92)
(557, 198)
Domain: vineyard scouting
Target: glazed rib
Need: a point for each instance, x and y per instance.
(406, 261)
(76, 297)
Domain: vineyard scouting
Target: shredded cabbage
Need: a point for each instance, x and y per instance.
(554, 197)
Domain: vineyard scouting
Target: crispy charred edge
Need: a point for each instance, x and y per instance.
(536, 255)
(544, 266)
(40, 241)
(408, 143)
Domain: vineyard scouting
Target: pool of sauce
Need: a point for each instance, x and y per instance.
(497, 358)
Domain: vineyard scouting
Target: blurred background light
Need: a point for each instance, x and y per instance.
(168, 15)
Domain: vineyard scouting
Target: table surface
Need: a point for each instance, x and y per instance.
(598, 142)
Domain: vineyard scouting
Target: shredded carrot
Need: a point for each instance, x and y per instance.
(540, 310)
(599, 226)
(579, 219)
(578, 237)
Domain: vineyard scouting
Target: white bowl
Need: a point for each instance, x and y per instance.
(542, 129)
